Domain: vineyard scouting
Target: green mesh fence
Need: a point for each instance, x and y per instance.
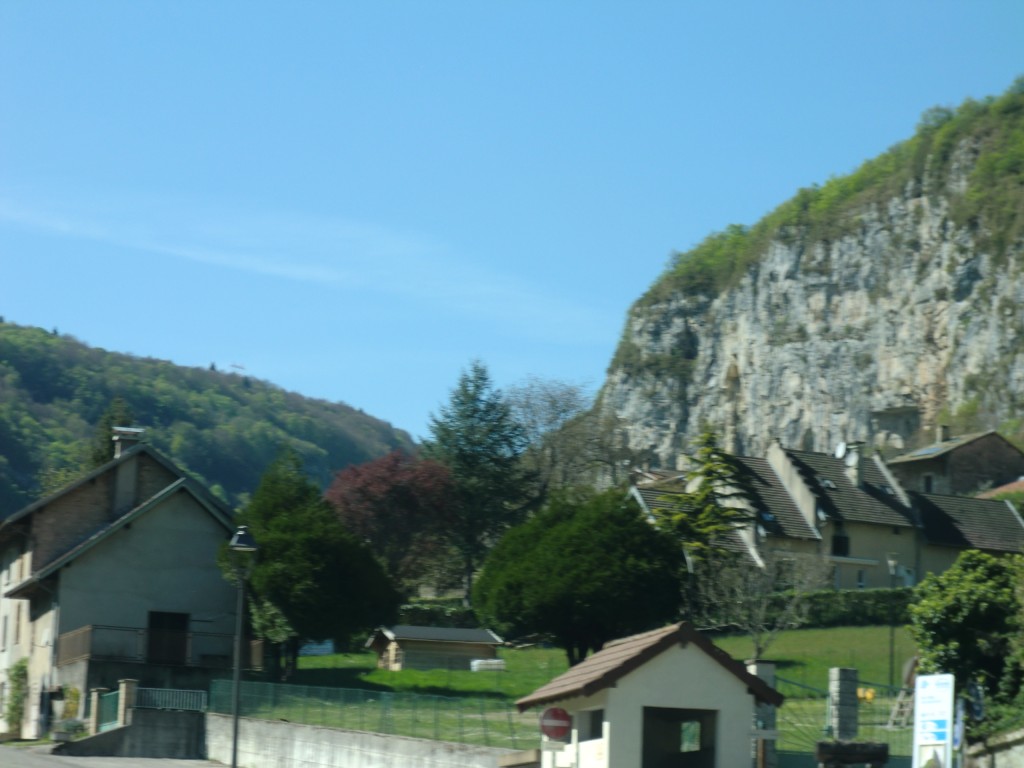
(803, 720)
(481, 721)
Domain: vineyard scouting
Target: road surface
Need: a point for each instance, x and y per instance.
(39, 757)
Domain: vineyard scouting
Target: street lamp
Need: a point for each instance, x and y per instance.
(243, 542)
(892, 558)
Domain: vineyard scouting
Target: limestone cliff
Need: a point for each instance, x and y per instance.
(867, 309)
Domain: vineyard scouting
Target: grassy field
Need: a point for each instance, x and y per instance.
(477, 707)
(803, 656)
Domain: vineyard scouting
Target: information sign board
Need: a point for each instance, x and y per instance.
(933, 721)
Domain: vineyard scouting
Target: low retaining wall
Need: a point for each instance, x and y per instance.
(1005, 751)
(150, 733)
(280, 744)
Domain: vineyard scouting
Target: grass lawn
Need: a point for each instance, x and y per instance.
(476, 707)
(803, 656)
(526, 670)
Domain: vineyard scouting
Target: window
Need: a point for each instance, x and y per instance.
(861, 579)
(591, 725)
(928, 483)
(689, 736)
(840, 543)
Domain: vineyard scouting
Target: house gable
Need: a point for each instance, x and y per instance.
(620, 658)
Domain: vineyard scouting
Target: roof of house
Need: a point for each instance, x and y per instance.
(964, 522)
(620, 657)
(874, 500)
(777, 511)
(935, 450)
(183, 484)
(1017, 486)
(401, 632)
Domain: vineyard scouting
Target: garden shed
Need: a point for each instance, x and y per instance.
(410, 647)
(668, 697)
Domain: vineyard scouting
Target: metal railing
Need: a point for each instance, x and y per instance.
(168, 698)
(465, 720)
(107, 711)
(133, 644)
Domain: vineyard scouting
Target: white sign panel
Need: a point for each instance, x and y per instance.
(933, 721)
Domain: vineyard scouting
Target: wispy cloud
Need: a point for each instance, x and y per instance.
(330, 253)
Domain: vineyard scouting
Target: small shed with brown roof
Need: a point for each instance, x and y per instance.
(664, 697)
(405, 646)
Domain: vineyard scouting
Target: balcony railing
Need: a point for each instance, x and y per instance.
(145, 646)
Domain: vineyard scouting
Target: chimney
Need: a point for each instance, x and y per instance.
(126, 478)
(124, 438)
(853, 460)
(942, 433)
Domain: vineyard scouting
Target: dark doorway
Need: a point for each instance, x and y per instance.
(678, 738)
(168, 638)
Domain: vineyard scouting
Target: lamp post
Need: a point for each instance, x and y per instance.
(892, 559)
(243, 542)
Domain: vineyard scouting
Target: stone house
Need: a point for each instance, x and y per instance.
(851, 509)
(114, 576)
(409, 647)
(961, 465)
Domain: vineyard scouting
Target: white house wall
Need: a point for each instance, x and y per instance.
(678, 678)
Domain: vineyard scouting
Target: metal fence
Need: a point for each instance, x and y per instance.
(491, 722)
(107, 711)
(804, 720)
(167, 698)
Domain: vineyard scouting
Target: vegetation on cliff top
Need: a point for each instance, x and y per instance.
(991, 207)
(224, 428)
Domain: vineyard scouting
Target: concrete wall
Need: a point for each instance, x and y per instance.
(152, 733)
(278, 744)
(1003, 751)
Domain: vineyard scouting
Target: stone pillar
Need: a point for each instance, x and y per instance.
(126, 700)
(842, 692)
(765, 755)
(94, 709)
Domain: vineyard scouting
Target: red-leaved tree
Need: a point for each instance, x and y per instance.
(396, 504)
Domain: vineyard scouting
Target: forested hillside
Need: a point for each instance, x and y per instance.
(224, 428)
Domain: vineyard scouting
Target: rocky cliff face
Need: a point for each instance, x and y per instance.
(875, 335)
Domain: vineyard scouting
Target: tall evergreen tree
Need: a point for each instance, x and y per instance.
(710, 506)
(309, 570)
(477, 438)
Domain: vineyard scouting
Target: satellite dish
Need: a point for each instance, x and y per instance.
(840, 450)
(851, 458)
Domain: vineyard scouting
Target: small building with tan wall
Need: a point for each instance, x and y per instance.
(665, 697)
(410, 647)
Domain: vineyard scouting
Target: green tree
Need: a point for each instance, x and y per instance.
(701, 515)
(118, 414)
(477, 438)
(586, 569)
(711, 503)
(312, 580)
(966, 622)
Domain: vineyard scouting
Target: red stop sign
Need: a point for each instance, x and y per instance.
(555, 723)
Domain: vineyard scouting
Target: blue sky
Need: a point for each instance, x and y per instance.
(354, 199)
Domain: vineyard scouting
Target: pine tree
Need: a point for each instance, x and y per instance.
(477, 438)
